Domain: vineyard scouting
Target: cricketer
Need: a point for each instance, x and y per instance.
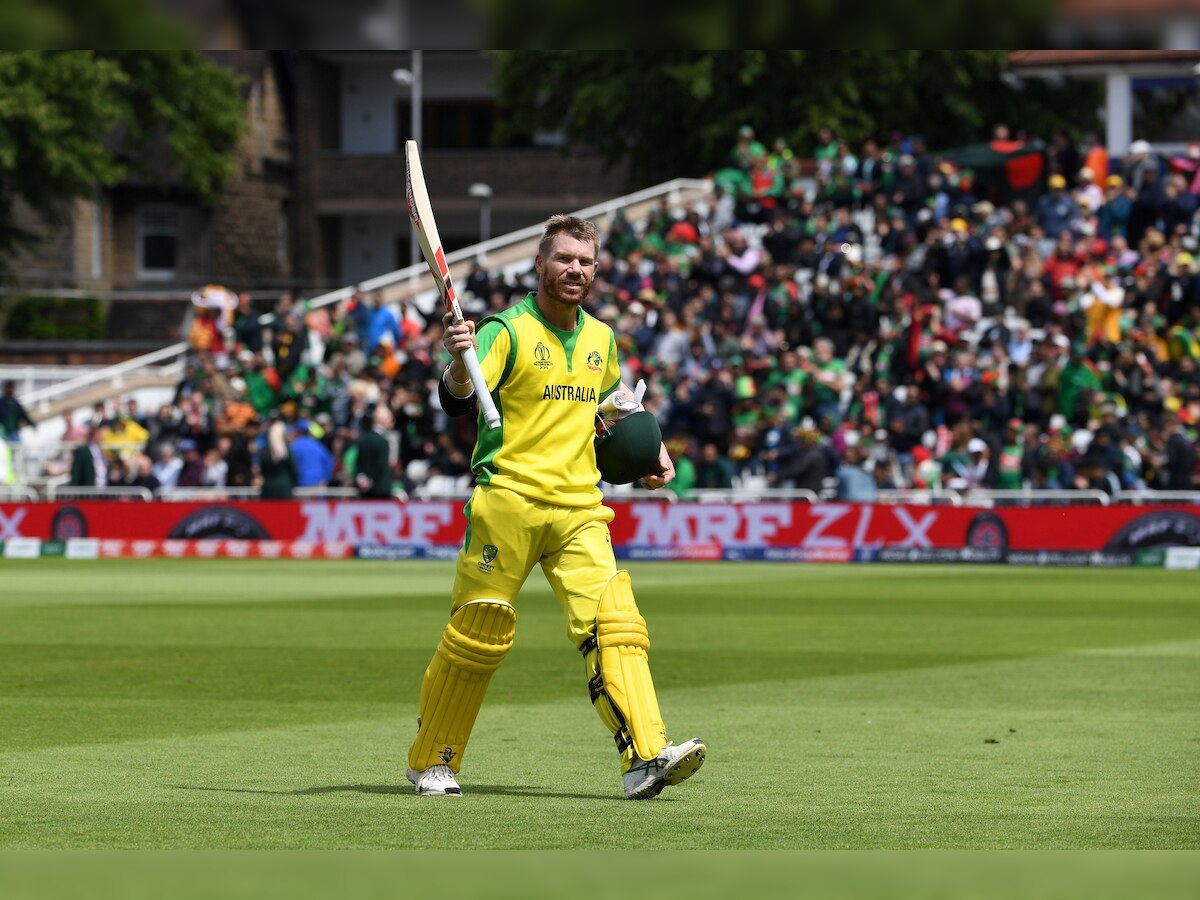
(549, 366)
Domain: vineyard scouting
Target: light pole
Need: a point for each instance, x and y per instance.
(411, 78)
(483, 193)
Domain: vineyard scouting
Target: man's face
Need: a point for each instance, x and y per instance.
(567, 270)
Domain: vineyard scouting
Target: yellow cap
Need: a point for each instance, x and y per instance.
(1057, 181)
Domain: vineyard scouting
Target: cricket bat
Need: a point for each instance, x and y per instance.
(420, 213)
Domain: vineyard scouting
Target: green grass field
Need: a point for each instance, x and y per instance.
(240, 704)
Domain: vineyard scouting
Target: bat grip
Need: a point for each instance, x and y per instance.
(490, 414)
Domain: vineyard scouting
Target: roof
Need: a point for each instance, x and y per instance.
(1029, 59)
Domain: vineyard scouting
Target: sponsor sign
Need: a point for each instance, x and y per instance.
(782, 531)
(83, 548)
(22, 548)
(1182, 558)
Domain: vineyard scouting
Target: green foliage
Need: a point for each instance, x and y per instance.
(101, 24)
(677, 112)
(874, 24)
(55, 319)
(72, 120)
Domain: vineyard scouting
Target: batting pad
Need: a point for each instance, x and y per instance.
(475, 642)
(619, 674)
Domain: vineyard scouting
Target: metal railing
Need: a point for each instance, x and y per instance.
(77, 492)
(31, 377)
(194, 494)
(1031, 497)
(16, 492)
(460, 488)
(918, 497)
(1137, 498)
(174, 352)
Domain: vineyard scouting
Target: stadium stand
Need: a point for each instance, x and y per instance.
(875, 324)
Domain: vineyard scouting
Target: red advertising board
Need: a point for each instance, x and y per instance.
(819, 531)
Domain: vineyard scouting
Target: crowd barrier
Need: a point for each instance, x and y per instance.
(785, 530)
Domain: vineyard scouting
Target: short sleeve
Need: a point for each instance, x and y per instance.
(494, 347)
(612, 370)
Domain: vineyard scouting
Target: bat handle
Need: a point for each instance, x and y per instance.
(456, 311)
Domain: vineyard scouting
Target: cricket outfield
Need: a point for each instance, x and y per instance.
(269, 704)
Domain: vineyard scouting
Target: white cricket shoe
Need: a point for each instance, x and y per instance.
(436, 781)
(673, 765)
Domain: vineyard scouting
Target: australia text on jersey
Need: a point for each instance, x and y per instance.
(569, 392)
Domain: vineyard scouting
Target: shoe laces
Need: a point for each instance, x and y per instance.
(440, 773)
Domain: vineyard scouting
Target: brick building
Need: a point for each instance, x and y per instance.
(316, 199)
(157, 239)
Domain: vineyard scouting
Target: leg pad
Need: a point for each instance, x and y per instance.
(475, 642)
(618, 671)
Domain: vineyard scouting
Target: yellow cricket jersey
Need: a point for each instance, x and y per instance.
(546, 383)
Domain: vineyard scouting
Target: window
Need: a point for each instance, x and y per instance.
(1166, 110)
(157, 242)
(449, 124)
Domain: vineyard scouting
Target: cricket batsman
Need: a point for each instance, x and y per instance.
(550, 368)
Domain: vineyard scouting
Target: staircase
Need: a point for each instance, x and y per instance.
(412, 283)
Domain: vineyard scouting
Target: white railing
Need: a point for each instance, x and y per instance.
(918, 497)
(1030, 497)
(17, 492)
(460, 489)
(1137, 498)
(174, 352)
(30, 377)
(168, 359)
(76, 492)
(194, 494)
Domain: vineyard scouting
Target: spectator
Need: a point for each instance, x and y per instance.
(12, 414)
(246, 326)
(89, 468)
(1056, 209)
(714, 470)
(1180, 455)
(168, 467)
(384, 327)
(314, 462)
(854, 483)
(279, 475)
(191, 472)
(143, 474)
(373, 476)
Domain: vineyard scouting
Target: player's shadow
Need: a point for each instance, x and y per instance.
(482, 789)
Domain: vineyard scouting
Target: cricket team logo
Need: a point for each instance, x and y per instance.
(541, 356)
(490, 552)
(594, 361)
(446, 755)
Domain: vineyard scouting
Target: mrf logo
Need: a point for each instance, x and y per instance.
(541, 356)
(490, 552)
(593, 361)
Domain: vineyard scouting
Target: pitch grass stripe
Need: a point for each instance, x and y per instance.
(864, 722)
(696, 875)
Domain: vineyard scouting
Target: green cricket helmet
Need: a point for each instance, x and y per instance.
(628, 448)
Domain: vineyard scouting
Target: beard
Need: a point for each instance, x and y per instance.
(551, 288)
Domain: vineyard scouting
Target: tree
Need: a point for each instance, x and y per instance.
(74, 120)
(674, 113)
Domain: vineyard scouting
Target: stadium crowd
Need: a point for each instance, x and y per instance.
(877, 319)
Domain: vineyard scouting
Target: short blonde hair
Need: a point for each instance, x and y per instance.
(572, 226)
